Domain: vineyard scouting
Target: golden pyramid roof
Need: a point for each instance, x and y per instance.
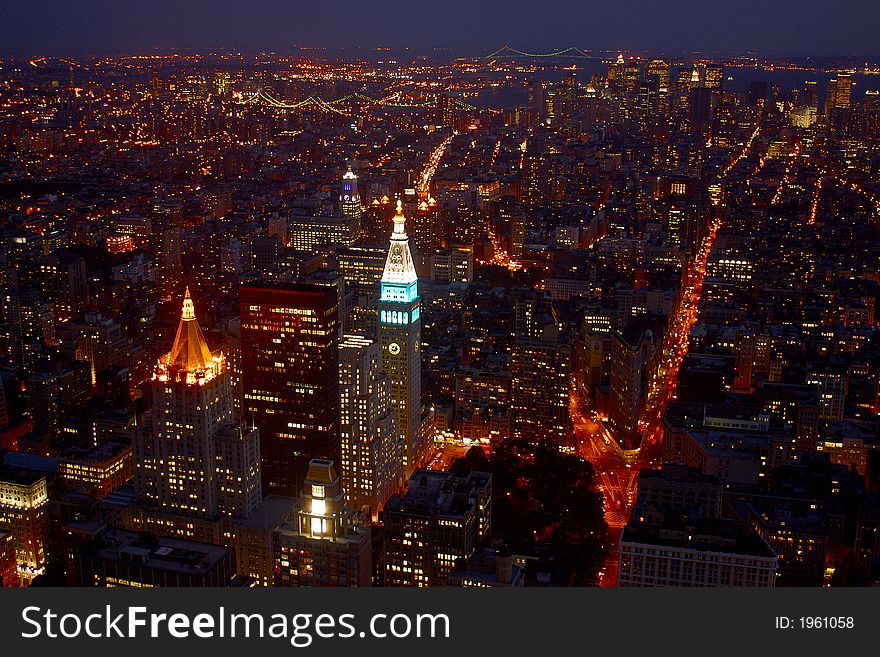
(190, 352)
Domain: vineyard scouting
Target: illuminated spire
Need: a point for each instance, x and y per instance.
(399, 267)
(349, 174)
(620, 59)
(189, 310)
(190, 352)
(399, 232)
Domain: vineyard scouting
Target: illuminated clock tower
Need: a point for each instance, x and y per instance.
(400, 336)
(350, 199)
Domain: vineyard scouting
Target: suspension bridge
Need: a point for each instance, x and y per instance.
(507, 52)
(346, 104)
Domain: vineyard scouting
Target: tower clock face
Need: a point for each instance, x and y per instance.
(394, 348)
(347, 197)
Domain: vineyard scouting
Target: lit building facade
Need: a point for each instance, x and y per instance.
(440, 519)
(350, 199)
(97, 470)
(290, 377)
(24, 498)
(8, 571)
(400, 338)
(325, 543)
(371, 447)
(190, 457)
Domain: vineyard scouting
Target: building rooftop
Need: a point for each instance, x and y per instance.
(676, 529)
(162, 553)
(436, 492)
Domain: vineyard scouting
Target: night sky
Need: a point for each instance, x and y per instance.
(774, 27)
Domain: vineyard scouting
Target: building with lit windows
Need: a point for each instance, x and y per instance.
(669, 549)
(454, 264)
(400, 338)
(482, 404)
(100, 341)
(8, 571)
(290, 377)
(190, 457)
(714, 80)
(440, 519)
(830, 383)
(445, 110)
(325, 543)
(307, 234)
(729, 268)
(797, 530)
(62, 281)
(23, 513)
(839, 93)
(539, 381)
(166, 243)
(371, 447)
(362, 269)
(350, 199)
(96, 470)
(489, 568)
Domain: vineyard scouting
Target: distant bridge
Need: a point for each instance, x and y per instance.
(506, 52)
(342, 106)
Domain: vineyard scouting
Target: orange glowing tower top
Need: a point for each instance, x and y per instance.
(190, 360)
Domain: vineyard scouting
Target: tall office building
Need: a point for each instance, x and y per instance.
(371, 446)
(325, 543)
(62, 281)
(400, 337)
(715, 81)
(362, 270)
(190, 458)
(539, 381)
(290, 377)
(350, 199)
(616, 74)
(453, 264)
(167, 247)
(839, 96)
(446, 110)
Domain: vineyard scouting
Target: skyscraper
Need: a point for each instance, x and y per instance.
(715, 81)
(166, 253)
(539, 384)
(446, 110)
(840, 92)
(290, 377)
(371, 446)
(350, 199)
(190, 457)
(400, 337)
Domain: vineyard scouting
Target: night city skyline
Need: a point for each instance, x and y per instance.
(464, 295)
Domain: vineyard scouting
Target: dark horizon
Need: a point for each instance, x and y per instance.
(774, 28)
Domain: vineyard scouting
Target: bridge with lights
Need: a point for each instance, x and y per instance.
(507, 52)
(344, 106)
